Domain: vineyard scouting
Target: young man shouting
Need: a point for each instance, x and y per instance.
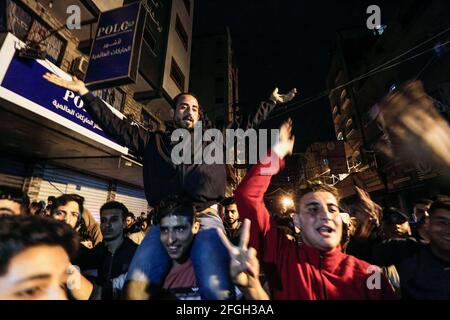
(315, 268)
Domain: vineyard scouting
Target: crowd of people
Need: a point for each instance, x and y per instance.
(197, 244)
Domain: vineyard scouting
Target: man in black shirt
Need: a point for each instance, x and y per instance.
(111, 258)
(424, 270)
(232, 224)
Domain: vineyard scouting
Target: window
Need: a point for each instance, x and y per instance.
(149, 38)
(187, 4)
(18, 21)
(38, 33)
(182, 33)
(112, 96)
(177, 75)
(27, 26)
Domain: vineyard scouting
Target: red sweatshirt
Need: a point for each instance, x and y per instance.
(299, 271)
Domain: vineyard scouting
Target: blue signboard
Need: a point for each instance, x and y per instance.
(54, 98)
(115, 52)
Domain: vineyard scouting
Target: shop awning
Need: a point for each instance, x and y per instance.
(41, 121)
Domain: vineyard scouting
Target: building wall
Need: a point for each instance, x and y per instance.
(131, 107)
(215, 76)
(416, 23)
(108, 5)
(175, 48)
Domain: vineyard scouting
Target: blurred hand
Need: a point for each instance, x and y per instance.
(244, 265)
(80, 287)
(411, 119)
(367, 214)
(286, 143)
(74, 85)
(282, 98)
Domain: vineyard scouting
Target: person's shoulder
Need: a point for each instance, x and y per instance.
(400, 244)
(393, 251)
(129, 243)
(358, 265)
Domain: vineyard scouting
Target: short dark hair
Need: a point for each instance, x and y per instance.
(65, 199)
(176, 99)
(38, 205)
(228, 201)
(111, 205)
(318, 186)
(16, 195)
(175, 207)
(130, 214)
(51, 198)
(441, 204)
(18, 233)
(424, 201)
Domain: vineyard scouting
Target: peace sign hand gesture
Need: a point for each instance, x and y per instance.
(244, 265)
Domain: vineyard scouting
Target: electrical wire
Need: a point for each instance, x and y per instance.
(289, 108)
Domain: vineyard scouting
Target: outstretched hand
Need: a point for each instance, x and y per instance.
(244, 265)
(75, 84)
(411, 119)
(282, 98)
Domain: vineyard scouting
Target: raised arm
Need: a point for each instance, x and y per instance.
(132, 137)
(266, 107)
(250, 193)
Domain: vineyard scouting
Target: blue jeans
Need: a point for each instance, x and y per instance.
(209, 256)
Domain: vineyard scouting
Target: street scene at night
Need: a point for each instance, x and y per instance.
(213, 150)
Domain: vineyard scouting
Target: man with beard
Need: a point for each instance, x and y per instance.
(423, 269)
(204, 185)
(233, 226)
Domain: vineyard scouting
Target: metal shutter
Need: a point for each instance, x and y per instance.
(132, 198)
(12, 173)
(57, 181)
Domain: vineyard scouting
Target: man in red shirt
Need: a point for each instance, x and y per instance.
(315, 268)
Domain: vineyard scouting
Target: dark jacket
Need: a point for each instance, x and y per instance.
(422, 275)
(363, 249)
(111, 266)
(234, 235)
(203, 184)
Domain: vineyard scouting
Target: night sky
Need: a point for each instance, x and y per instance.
(286, 43)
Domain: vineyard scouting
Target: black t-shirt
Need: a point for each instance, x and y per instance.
(423, 276)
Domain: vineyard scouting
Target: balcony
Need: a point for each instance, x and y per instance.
(346, 106)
